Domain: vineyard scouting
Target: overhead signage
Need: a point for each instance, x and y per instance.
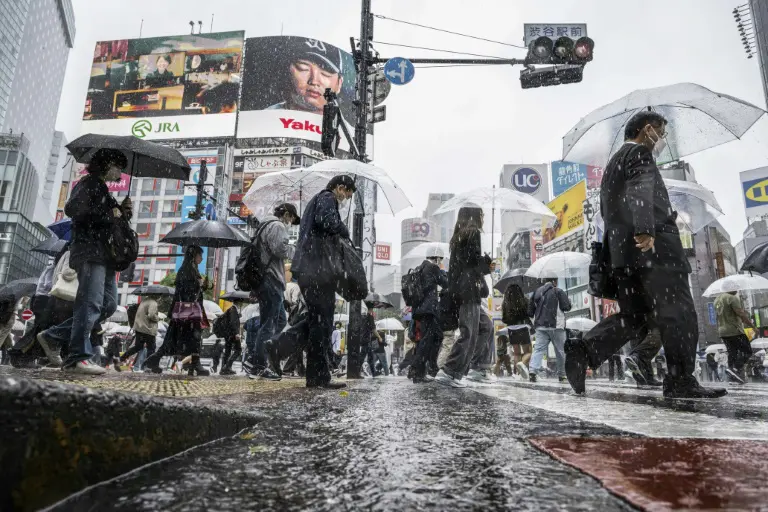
(399, 71)
(528, 179)
(554, 31)
(569, 212)
(754, 185)
(383, 253)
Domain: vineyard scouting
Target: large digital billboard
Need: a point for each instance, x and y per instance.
(165, 87)
(568, 207)
(284, 82)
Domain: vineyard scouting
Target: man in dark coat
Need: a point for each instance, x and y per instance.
(647, 264)
(321, 227)
(426, 314)
(233, 348)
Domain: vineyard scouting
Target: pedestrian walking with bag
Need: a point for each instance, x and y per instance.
(145, 327)
(514, 313)
(731, 319)
(546, 304)
(229, 329)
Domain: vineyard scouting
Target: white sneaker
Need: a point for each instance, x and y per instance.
(482, 376)
(85, 368)
(446, 380)
(523, 370)
(630, 377)
(50, 350)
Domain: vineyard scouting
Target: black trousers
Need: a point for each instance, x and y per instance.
(643, 352)
(233, 349)
(142, 341)
(658, 297)
(321, 302)
(614, 363)
(739, 351)
(428, 346)
(290, 344)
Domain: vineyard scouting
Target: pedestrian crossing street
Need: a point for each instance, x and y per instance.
(742, 414)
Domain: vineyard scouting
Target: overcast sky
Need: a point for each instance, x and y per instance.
(451, 130)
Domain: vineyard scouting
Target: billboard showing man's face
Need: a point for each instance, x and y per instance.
(138, 86)
(288, 73)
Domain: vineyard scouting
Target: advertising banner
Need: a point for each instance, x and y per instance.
(565, 175)
(383, 253)
(165, 87)
(528, 179)
(754, 185)
(114, 186)
(569, 210)
(592, 231)
(284, 80)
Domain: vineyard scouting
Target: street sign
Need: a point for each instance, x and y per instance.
(399, 71)
(378, 114)
(553, 31)
(27, 315)
(379, 87)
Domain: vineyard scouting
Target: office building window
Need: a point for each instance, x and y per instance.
(146, 209)
(149, 187)
(146, 231)
(172, 208)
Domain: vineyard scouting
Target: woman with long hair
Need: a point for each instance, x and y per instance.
(467, 286)
(514, 313)
(187, 316)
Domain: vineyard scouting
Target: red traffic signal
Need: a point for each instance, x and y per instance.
(583, 50)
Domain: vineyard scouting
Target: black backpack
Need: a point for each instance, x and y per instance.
(220, 326)
(413, 287)
(132, 310)
(249, 271)
(123, 245)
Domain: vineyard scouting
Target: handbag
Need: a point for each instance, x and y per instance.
(65, 287)
(187, 312)
(352, 283)
(601, 281)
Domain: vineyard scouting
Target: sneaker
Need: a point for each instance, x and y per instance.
(481, 376)
(85, 368)
(428, 378)
(734, 376)
(563, 379)
(630, 377)
(634, 369)
(446, 380)
(522, 370)
(51, 349)
(532, 378)
(266, 374)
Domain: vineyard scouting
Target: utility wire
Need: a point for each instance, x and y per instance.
(450, 66)
(439, 50)
(449, 32)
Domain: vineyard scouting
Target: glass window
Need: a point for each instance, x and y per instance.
(146, 209)
(237, 186)
(172, 208)
(145, 230)
(148, 187)
(165, 229)
(174, 187)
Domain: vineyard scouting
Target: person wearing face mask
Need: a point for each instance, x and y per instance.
(93, 211)
(647, 265)
(321, 227)
(273, 251)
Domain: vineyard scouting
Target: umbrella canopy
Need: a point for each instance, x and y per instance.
(698, 118)
(19, 288)
(212, 310)
(518, 277)
(757, 261)
(248, 312)
(206, 233)
(565, 264)
(415, 256)
(145, 159)
(62, 229)
(238, 296)
(736, 283)
(154, 289)
(579, 324)
(393, 194)
(341, 317)
(52, 246)
(759, 343)
(295, 186)
(695, 205)
(714, 349)
(119, 329)
(376, 300)
(389, 324)
(518, 211)
(119, 316)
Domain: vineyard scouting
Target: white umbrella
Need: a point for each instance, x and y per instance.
(340, 317)
(698, 118)
(120, 315)
(415, 256)
(696, 206)
(736, 283)
(119, 329)
(565, 264)
(393, 194)
(212, 310)
(248, 312)
(389, 324)
(759, 343)
(295, 186)
(714, 349)
(579, 324)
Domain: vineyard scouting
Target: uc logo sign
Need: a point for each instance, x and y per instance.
(756, 192)
(526, 180)
(141, 128)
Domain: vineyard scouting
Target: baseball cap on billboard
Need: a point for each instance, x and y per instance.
(324, 55)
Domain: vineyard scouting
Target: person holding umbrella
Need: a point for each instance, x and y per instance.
(646, 266)
(93, 211)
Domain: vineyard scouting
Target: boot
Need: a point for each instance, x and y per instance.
(689, 387)
(576, 362)
(196, 368)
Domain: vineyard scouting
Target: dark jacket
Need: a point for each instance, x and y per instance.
(90, 208)
(469, 267)
(634, 201)
(188, 286)
(231, 320)
(544, 305)
(432, 277)
(320, 224)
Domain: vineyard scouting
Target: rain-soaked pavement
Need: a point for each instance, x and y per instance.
(389, 444)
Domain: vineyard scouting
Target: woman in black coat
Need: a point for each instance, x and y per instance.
(466, 282)
(185, 336)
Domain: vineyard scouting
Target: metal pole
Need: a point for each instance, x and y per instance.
(362, 58)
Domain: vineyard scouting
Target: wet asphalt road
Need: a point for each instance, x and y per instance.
(387, 444)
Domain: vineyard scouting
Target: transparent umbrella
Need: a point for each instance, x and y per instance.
(415, 256)
(295, 186)
(389, 324)
(698, 118)
(579, 324)
(564, 264)
(695, 205)
(736, 283)
(212, 310)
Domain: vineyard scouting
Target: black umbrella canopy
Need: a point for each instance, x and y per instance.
(145, 159)
(20, 288)
(517, 276)
(238, 296)
(757, 261)
(154, 289)
(206, 233)
(52, 246)
(377, 300)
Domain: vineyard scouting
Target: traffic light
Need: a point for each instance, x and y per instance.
(564, 50)
(551, 75)
(540, 51)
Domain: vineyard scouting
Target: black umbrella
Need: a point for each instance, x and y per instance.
(757, 261)
(145, 159)
(52, 246)
(377, 300)
(154, 289)
(206, 233)
(238, 296)
(518, 277)
(20, 288)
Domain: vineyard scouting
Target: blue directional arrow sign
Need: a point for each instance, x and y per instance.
(399, 71)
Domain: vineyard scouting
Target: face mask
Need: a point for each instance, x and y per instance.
(114, 173)
(659, 145)
(343, 205)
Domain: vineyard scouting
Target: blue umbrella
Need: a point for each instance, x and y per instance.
(62, 229)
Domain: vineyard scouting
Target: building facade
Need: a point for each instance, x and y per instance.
(444, 222)
(759, 10)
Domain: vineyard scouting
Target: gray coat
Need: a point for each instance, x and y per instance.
(274, 250)
(544, 305)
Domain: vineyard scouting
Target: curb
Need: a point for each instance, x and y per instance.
(59, 438)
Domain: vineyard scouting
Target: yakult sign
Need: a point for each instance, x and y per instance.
(528, 179)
